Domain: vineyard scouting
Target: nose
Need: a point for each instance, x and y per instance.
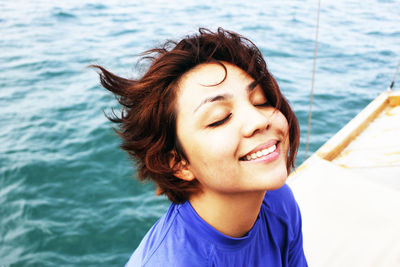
(255, 120)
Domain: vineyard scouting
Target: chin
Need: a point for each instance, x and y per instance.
(278, 181)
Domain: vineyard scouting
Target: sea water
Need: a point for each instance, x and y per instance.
(68, 194)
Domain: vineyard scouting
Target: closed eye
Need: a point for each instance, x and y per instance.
(220, 122)
(265, 104)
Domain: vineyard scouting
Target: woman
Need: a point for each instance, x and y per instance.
(208, 124)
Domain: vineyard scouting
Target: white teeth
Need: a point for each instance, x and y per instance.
(261, 153)
(272, 148)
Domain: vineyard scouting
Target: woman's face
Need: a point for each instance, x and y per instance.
(233, 139)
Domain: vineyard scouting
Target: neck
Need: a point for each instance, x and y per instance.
(231, 214)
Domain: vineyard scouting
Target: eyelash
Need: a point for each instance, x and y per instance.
(220, 122)
(266, 104)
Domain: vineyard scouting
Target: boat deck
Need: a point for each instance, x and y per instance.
(349, 191)
(375, 153)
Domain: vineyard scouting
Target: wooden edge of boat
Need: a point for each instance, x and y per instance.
(351, 130)
(343, 138)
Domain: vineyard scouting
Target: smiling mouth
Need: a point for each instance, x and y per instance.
(260, 153)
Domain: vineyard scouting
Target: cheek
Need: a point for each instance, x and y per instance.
(216, 147)
(282, 123)
(212, 157)
(282, 129)
(285, 132)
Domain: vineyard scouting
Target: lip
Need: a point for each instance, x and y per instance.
(261, 147)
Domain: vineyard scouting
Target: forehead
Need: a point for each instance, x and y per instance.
(209, 77)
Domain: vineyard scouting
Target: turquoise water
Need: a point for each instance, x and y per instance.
(67, 196)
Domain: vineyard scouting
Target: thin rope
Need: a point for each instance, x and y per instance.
(313, 80)
(394, 78)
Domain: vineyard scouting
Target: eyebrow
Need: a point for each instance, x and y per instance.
(251, 86)
(210, 99)
(223, 97)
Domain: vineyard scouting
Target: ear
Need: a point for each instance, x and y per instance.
(181, 168)
(183, 172)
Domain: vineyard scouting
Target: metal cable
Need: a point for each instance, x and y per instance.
(313, 80)
(394, 78)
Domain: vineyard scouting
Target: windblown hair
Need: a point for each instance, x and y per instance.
(147, 124)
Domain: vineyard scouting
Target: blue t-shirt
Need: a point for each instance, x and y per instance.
(182, 238)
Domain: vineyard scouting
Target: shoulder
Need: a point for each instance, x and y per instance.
(282, 204)
(153, 239)
(168, 241)
(284, 217)
(281, 198)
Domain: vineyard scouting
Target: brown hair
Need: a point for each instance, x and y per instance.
(148, 118)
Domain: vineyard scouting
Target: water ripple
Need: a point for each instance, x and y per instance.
(68, 195)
